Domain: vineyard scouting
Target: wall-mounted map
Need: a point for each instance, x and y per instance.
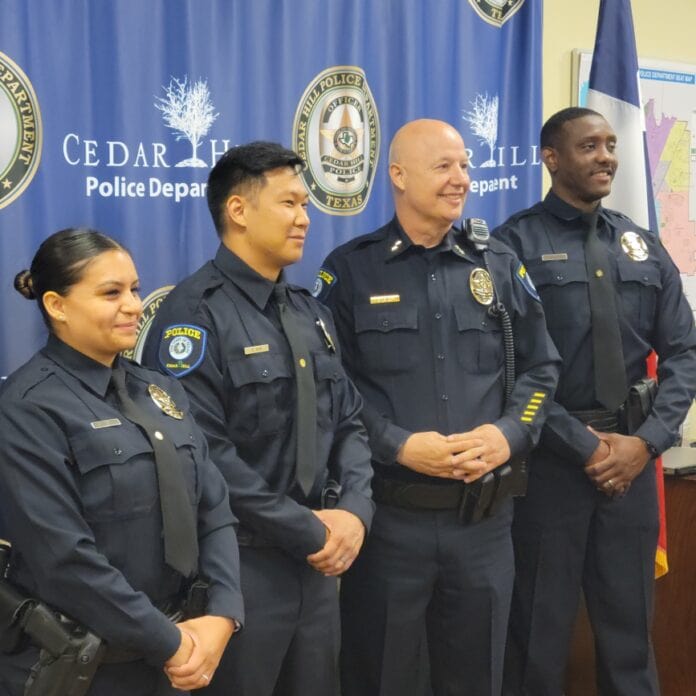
(668, 93)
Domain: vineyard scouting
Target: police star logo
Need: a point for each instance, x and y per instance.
(496, 12)
(21, 132)
(481, 286)
(634, 245)
(336, 132)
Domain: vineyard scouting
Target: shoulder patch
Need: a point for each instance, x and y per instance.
(325, 280)
(182, 348)
(522, 275)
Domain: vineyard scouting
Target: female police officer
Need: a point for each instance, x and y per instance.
(109, 498)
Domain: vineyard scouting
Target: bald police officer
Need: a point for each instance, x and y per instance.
(411, 303)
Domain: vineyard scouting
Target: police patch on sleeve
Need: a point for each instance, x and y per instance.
(323, 283)
(182, 348)
(522, 275)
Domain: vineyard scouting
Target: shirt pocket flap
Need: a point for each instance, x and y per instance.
(643, 273)
(557, 272)
(326, 366)
(107, 446)
(179, 433)
(479, 321)
(385, 318)
(260, 368)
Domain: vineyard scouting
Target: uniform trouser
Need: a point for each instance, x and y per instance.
(568, 536)
(421, 576)
(289, 644)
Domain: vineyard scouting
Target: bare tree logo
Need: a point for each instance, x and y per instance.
(187, 109)
(483, 119)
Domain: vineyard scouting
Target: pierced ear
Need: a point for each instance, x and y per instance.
(548, 157)
(54, 305)
(235, 206)
(396, 174)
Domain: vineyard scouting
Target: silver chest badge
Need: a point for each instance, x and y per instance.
(481, 286)
(164, 401)
(634, 245)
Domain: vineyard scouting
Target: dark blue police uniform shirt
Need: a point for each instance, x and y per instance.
(238, 371)
(81, 502)
(423, 350)
(653, 314)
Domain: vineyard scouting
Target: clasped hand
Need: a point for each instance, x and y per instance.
(345, 534)
(203, 641)
(460, 456)
(617, 460)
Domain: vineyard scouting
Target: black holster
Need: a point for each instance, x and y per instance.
(196, 601)
(485, 496)
(633, 413)
(68, 672)
(330, 495)
(69, 654)
(12, 607)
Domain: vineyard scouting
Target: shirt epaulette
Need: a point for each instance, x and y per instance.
(20, 383)
(361, 241)
(498, 247)
(193, 290)
(536, 209)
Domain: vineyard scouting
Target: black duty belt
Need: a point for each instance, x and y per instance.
(600, 419)
(417, 496)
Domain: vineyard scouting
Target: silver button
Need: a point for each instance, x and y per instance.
(159, 435)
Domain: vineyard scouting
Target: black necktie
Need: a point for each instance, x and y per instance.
(178, 521)
(607, 352)
(306, 402)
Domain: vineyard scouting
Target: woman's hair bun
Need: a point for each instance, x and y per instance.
(24, 285)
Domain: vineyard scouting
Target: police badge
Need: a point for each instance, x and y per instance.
(634, 245)
(481, 286)
(164, 401)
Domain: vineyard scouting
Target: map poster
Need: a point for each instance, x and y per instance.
(668, 93)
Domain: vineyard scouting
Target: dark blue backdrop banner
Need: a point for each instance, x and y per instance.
(112, 113)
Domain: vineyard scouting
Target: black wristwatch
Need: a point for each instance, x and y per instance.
(654, 454)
